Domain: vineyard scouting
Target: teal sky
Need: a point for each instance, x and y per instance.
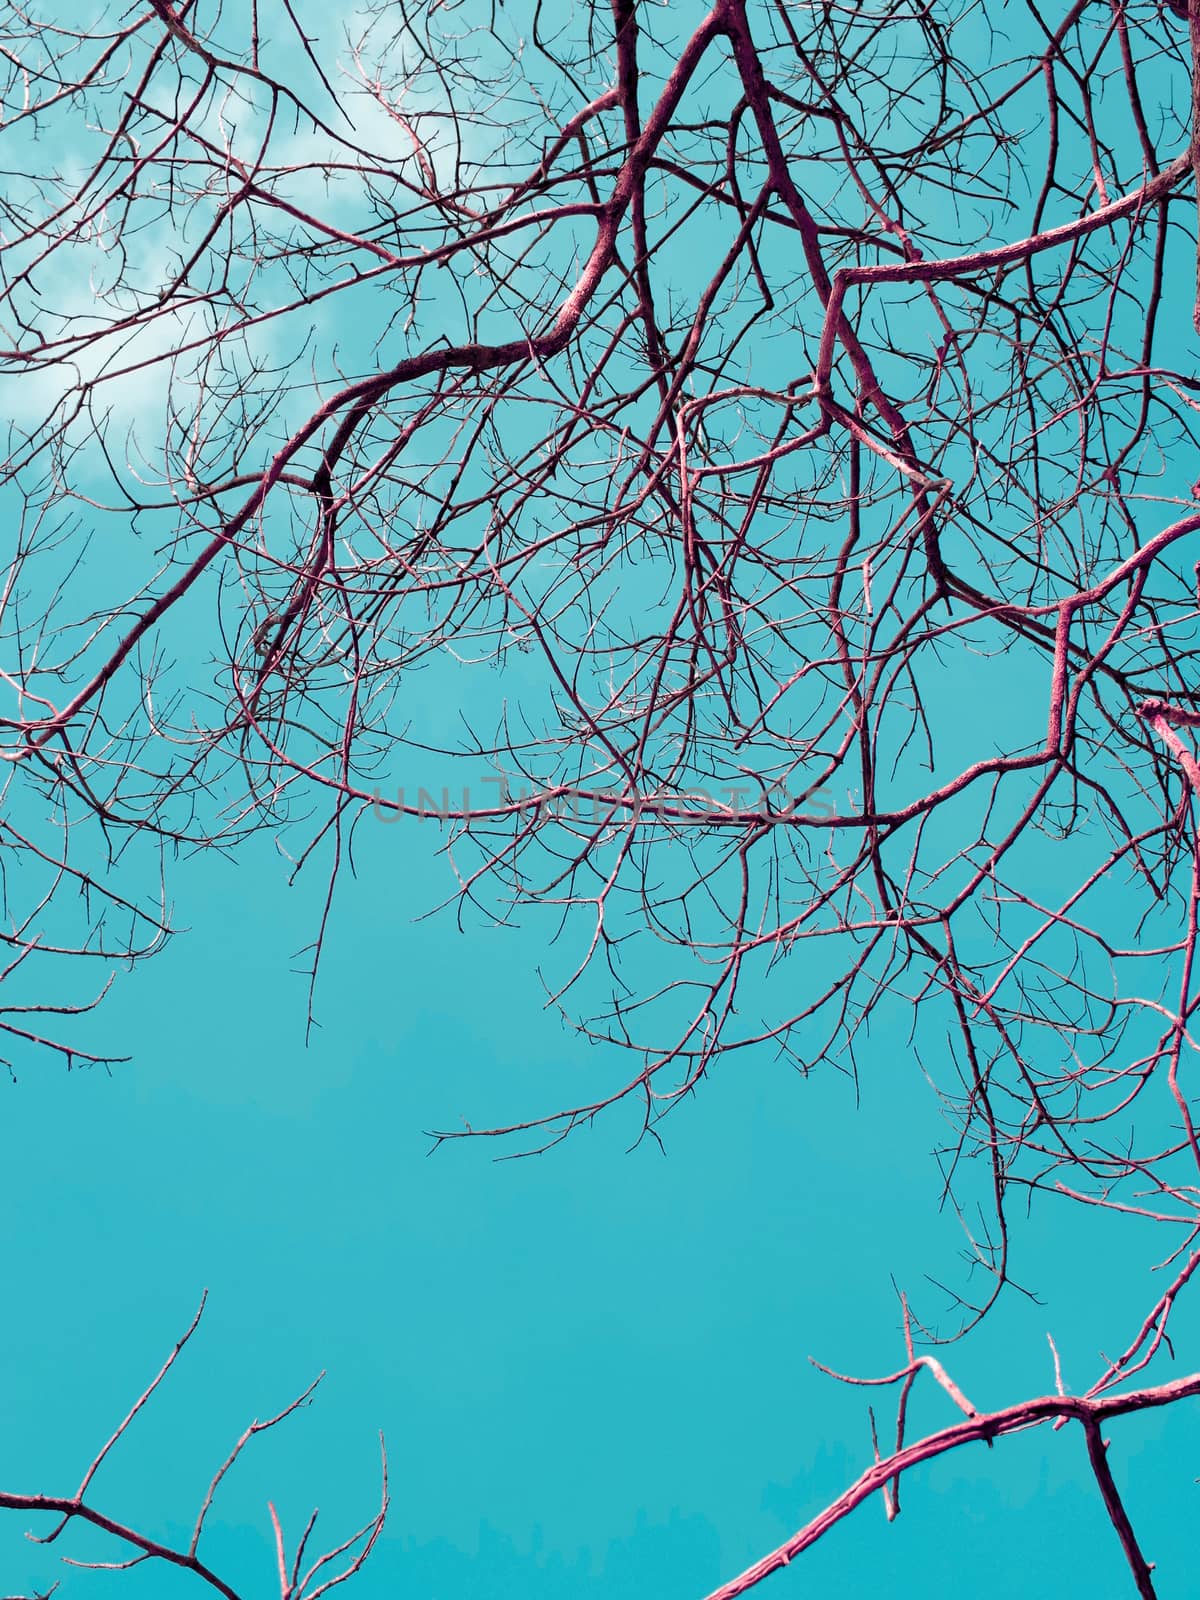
(591, 1367)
